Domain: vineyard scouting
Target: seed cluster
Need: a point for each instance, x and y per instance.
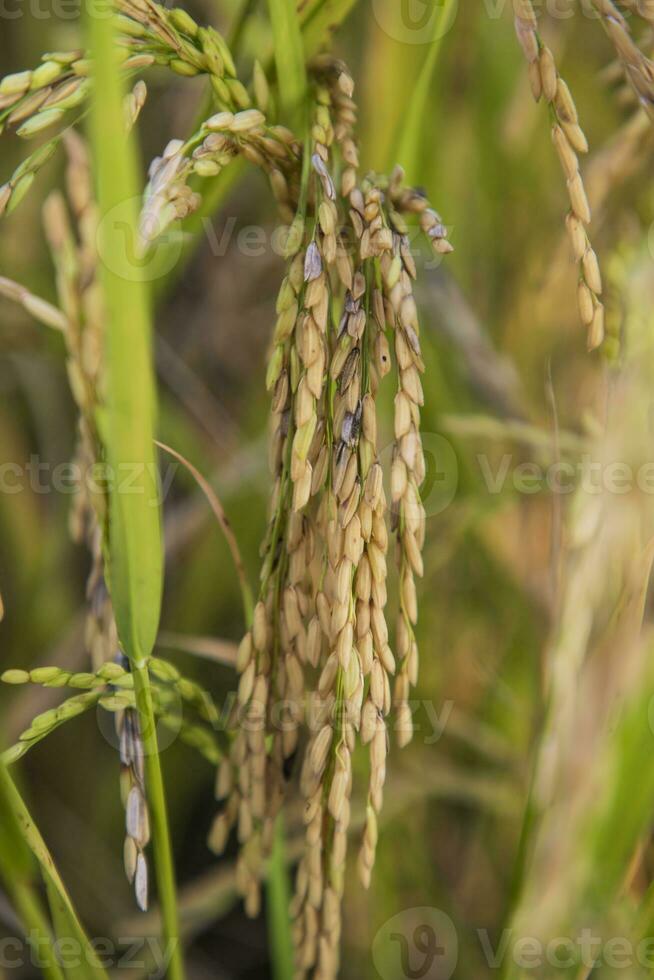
(317, 658)
(569, 140)
(148, 34)
(220, 139)
(112, 687)
(638, 68)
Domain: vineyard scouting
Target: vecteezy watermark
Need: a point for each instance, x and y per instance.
(586, 949)
(142, 953)
(139, 243)
(592, 476)
(41, 477)
(496, 475)
(123, 252)
(440, 483)
(428, 720)
(168, 722)
(415, 21)
(422, 944)
(66, 10)
(416, 944)
(428, 21)
(125, 255)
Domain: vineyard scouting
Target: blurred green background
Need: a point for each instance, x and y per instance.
(499, 321)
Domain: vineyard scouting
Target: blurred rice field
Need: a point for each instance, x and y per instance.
(521, 811)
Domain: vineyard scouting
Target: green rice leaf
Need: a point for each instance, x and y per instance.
(134, 534)
(320, 19)
(20, 836)
(415, 126)
(289, 56)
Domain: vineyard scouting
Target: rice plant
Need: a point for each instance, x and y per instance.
(388, 691)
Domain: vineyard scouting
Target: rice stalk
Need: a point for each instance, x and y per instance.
(133, 542)
(569, 140)
(289, 55)
(18, 824)
(17, 874)
(638, 68)
(112, 688)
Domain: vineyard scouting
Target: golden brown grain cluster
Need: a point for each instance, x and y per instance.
(569, 141)
(637, 67)
(317, 670)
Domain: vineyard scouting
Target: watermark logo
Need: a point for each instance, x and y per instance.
(415, 21)
(441, 480)
(126, 953)
(168, 726)
(441, 473)
(416, 944)
(124, 254)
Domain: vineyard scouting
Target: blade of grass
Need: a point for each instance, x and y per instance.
(610, 829)
(289, 57)
(20, 836)
(16, 866)
(320, 19)
(135, 554)
(414, 126)
(226, 527)
(279, 897)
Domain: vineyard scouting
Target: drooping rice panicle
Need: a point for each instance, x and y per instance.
(323, 592)
(33, 101)
(569, 140)
(14, 190)
(353, 692)
(272, 655)
(148, 34)
(269, 659)
(408, 465)
(169, 196)
(637, 66)
(40, 309)
(132, 785)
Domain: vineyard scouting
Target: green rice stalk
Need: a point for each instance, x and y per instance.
(134, 547)
(289, 57)
(15, 815)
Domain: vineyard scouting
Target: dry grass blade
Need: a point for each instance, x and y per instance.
(220, 651)
(16, 816)
(39, 308)
(223, 521)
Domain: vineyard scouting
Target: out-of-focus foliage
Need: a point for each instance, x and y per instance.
(511, 388)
